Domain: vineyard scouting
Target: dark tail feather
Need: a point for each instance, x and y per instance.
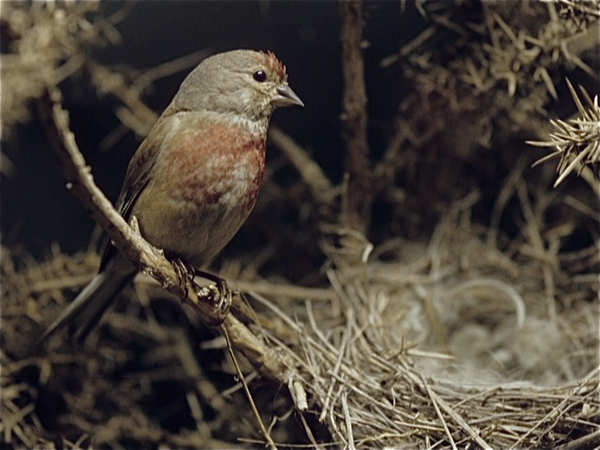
(89, 306)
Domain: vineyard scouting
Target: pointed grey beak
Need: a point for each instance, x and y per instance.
(286, 97)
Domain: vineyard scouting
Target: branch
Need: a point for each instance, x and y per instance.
(149, 259)
(358, 198)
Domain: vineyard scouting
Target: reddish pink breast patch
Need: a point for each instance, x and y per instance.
(218, 164)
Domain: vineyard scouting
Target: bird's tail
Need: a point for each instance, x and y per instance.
(89, 306)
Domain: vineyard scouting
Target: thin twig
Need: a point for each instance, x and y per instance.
(434, 398)
(247, 390)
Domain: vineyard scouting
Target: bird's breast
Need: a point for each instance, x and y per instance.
(220, 165)
(204, 185)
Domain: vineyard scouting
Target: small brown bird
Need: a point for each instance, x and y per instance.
(194, 180)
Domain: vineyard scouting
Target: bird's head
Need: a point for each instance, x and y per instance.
(244, 85)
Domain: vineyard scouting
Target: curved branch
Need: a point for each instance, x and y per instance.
(148, 258)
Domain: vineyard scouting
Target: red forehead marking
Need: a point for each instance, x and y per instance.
(273, 64)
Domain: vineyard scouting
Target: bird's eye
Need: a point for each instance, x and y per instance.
(260, 76)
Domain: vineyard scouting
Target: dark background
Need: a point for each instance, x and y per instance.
(37, 209)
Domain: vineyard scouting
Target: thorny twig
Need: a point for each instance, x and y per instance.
(576, 141)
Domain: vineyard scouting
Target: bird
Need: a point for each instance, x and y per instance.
(195, 178)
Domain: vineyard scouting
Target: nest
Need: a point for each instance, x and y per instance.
(516, 379)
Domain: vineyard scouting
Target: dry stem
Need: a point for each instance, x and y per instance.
(358, 197)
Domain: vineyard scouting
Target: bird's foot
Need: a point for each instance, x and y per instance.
(220, 296)
(224, 298)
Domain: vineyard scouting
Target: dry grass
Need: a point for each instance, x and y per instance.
(453, 344)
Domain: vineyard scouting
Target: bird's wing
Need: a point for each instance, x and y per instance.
(137, 177)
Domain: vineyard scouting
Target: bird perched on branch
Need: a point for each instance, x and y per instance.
(194, 180)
